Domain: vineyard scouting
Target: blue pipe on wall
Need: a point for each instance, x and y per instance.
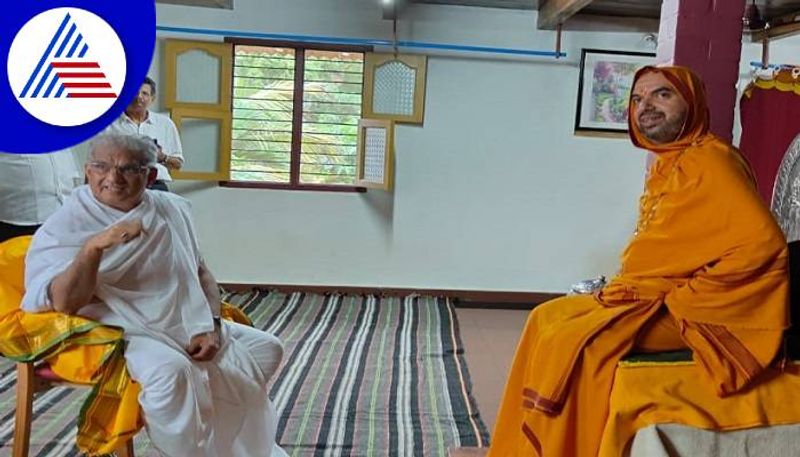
(771, 65)
(362, 41)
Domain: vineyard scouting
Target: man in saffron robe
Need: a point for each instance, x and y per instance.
(128, 257)
(706, 269)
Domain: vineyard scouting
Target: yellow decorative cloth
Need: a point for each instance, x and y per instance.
(784, 80)
(647, 393)
(77, 349)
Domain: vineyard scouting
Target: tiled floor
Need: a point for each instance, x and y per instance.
(490, 339)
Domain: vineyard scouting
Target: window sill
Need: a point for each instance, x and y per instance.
(280, 186)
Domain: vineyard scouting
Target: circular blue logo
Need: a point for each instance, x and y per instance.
(71, 69)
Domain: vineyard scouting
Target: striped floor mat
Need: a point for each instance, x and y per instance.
(362, 376)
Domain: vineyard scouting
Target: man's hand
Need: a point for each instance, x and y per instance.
(173, 163)
(119, 233)
(74, 287)
(204, 347)
(161, 156)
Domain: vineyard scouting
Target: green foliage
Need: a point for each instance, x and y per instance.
(262, 116)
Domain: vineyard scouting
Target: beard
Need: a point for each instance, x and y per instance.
(665, 131)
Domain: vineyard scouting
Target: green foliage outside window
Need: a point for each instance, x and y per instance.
(263, 99)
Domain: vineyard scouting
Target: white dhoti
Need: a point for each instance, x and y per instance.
(216, 408)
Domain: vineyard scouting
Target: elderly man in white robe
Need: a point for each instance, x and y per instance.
(127, 256)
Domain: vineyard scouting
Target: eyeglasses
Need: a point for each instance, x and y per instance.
(129, 171)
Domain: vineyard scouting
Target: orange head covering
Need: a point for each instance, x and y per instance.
(691, 89)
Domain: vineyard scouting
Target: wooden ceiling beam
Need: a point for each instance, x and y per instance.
(782, 26)
(779, 31)
(554, 12)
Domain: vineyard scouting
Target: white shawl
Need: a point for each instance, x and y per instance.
(148, 286)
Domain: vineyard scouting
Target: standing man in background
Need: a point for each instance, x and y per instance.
(139, 120)
(32, 187)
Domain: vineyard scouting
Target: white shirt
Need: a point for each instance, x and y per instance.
(158, 127)
(34, 186)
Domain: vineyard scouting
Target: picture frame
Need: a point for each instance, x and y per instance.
(604, 87)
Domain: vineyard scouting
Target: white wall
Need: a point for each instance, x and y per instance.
(494, 192)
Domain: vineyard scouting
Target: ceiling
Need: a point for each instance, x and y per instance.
(512, 4)
(628, 8)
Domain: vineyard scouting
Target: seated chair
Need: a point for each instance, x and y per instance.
(753, 415)
(699, 421)
(33, 378)
(762, 420)
(35, 373)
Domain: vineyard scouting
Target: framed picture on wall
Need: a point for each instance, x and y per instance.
(604, 86)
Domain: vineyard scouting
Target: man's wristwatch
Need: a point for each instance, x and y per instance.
(217, 321)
